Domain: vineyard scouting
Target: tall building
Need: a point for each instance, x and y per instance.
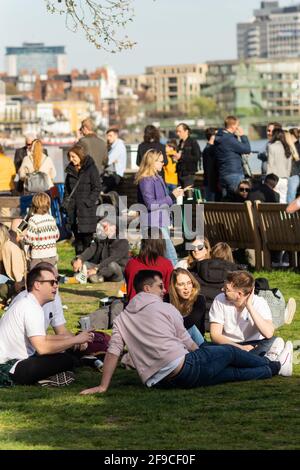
(274, 32)
(35, 57)
(170, 88)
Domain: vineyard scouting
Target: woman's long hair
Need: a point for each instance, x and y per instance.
(4, 237)
(37, 154)
(152, 246)
(290, 140)
(222, 251)
(184, 306)
(151, 134)
(279, 135)
(147, 167)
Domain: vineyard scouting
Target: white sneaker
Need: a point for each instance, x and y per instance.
(276, 348)
(286, 360)
(81, 277)
(290, 311)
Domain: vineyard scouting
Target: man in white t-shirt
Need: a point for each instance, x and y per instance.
(23, 335)
(240, 318)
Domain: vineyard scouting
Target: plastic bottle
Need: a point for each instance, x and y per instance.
(98, 364)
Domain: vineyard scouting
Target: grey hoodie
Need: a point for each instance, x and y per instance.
(153, 332)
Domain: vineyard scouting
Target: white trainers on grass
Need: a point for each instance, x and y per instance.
(276, 348)
(286, 360)
(290, 311)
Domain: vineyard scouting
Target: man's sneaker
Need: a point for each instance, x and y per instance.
(276, 348)
(286, 360)
(81, 277)
(58, 380)
(290, 311)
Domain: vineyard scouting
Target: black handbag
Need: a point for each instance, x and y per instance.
(68, 203)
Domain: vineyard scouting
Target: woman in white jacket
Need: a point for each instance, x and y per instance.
(280, 162)
(37, 160)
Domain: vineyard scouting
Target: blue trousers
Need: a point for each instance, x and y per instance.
(211, 365)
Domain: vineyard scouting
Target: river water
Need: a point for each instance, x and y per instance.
(60, 161)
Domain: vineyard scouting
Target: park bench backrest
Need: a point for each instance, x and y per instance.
(232, 223)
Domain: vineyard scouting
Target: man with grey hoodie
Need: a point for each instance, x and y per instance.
(164, 354)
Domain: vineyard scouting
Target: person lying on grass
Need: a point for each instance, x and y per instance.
(164, 354)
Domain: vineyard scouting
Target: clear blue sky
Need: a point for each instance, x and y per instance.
(167, 32)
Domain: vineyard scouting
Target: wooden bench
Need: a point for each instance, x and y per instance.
(234, 224)
(279, 231)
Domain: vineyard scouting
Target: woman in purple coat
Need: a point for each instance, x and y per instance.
(153, 194)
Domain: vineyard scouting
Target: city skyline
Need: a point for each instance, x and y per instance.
(166, 33)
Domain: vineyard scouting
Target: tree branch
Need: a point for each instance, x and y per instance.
(98, 19)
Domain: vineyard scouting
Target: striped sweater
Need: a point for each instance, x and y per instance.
(42, 235)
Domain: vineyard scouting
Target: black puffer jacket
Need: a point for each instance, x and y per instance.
(82, 212)
(211, 274)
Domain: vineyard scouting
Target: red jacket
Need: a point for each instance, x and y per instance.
(134, 265)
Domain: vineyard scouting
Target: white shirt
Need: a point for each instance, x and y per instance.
(53, 311)
(238, 326)
(118, 154)
(20, 322)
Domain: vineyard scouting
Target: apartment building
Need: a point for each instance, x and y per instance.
(266, 87)
(170, 88)
(274, 32)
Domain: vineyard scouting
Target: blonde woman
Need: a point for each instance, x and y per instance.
(222, 251)
(199, 250)
(42, 232)
(154, 195)
(12, 262)
(185, 295)
(37, 160)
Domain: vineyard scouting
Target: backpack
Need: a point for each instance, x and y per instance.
(103, 318)
(274, 298)
(36, 182)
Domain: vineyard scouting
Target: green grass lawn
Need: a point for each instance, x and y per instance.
(252, 415)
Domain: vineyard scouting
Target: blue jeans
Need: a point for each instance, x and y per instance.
(196, 335)
(170, 249)
(219, 364)
(209, 196)
(262, 346)
(230, 183)
(293, 184)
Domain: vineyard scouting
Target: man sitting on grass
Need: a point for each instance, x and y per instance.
(165, 355)
(240, 318)
(106, 257)
(34, 356)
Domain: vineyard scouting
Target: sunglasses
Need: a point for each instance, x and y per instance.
(244, 190)
(198, 247)
(51, 281)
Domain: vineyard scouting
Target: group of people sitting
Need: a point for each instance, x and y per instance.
(170, 305)
(162, 324)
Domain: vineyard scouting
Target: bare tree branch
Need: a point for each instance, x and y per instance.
(99, 19)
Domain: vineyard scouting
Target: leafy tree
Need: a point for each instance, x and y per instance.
(99, 19)
(204, 107)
